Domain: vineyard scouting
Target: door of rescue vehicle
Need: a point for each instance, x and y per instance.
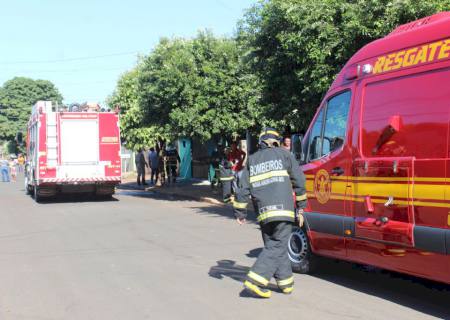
(327, 168)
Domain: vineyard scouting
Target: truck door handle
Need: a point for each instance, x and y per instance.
(337, 171)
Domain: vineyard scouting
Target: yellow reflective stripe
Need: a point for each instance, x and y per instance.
(270, 174)
(301, 198)
(240, 205)
(258, 278)
(226, 178)
(285, 282)
(288, 290)
(275, 213)
(270, 132)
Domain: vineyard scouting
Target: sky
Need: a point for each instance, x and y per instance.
(83, 46)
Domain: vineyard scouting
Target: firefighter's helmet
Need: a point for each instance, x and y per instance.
(270, 137)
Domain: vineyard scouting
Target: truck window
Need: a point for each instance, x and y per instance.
(315, 139)
(336, 122)
(334, 129)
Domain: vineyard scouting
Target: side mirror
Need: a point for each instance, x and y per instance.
(297, 149)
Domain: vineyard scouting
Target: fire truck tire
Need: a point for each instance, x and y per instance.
(299, 251)
(28, 187)
(37, 197)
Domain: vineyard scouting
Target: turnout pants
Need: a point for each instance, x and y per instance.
(140, 175)
(273, 261)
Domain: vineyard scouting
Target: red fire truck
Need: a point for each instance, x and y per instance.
(377, 158)
(72, 152)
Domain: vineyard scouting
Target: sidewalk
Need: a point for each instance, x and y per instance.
(199, 190)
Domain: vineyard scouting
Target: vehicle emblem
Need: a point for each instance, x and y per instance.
(322, 186)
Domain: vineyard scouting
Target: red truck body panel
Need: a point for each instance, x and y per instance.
(73, 148)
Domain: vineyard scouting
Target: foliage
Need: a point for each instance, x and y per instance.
(16, 99)
(297, 47)
(188, 87)
(198, 88)
(133, 133)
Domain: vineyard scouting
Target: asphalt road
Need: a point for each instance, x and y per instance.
(145, 256)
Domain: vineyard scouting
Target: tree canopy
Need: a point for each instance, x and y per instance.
(275, 71)
(189, 87)
(297, 47)
(16, 99)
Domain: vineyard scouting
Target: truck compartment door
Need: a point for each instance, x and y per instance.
(79, 142)
(383, 206)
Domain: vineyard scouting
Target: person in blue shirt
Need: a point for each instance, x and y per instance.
(4, 168)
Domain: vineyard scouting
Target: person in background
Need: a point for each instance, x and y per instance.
(4, 168)
(287, 143)
(173, 163)
(214, 167)
(226, 177)
(153, 160)
(140, 167)
(21, 162)
(237, 157)
(13, 169)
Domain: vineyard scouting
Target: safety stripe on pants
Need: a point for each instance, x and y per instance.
(286, 282)
(258, 278)
(301, 198)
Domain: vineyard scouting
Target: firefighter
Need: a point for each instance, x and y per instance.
(226, 177)
(271, 176)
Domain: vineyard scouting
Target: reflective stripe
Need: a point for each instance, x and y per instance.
(301, 198)
(267, 175)
(240, 205)
(270, 132)
(226, 178)
(275, 213)
(285, 282)
(258, 278)
(288, 290)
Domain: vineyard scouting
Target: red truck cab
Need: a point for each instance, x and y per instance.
(377, 157)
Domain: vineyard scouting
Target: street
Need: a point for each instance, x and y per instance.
(148, 256)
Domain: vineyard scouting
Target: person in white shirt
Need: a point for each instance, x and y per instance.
(153, 160)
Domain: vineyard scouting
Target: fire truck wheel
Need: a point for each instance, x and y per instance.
(299, 250)
(36, 194)
(28, 188)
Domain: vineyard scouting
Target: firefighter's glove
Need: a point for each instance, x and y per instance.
(299, 218)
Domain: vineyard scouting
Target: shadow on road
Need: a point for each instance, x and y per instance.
(228, 269)
(212, 210)
(418, 294)
(76, 198)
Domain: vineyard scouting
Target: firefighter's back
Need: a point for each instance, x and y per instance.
(270, 184)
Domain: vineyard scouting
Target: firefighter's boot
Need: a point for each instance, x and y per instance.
(256, 290)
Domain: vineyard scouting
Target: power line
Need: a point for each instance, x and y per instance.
(67, 70)
(71, 59)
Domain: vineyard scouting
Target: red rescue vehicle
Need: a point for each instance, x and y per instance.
(72, 152)
(377, 158)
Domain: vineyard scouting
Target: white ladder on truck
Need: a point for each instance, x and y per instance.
(52, 140)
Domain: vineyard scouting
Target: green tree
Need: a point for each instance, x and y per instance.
(16, 99)
(189, 87)
(198, 88)
(133, 131)
(297, 47)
